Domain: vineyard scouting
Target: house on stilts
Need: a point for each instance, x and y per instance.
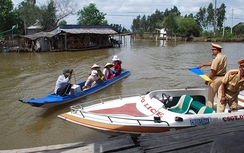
(72, 38)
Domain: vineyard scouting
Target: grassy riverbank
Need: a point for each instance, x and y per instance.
(194, 39)
(201, 39)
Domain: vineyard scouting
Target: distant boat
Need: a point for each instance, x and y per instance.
(157, 111)
(52, 100)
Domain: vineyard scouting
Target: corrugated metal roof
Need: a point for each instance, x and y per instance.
(90, 31)
(40, 35)
(73, 29)
(79, 29)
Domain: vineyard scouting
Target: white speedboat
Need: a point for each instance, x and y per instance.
(157, 111)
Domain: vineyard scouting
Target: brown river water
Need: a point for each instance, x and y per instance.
(153, 65)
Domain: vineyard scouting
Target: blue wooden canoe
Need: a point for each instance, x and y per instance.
(52, 100)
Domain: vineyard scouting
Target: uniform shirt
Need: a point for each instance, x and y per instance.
(61, 81)
(219, 64)
(233, 84)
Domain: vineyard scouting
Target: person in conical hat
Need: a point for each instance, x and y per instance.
(99, 72)
(117, 65)
(91, 80)
(107, 71)
(95, 66)
(232, 84)
(217, 71)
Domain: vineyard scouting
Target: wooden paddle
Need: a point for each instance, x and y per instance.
(198, 71)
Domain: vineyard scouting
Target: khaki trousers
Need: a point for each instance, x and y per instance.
(231, 100)
(213, 89)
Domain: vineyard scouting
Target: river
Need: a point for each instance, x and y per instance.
(153, 65)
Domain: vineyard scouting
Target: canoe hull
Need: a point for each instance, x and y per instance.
(52, 100)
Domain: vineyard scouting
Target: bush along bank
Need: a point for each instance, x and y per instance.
(201, 39)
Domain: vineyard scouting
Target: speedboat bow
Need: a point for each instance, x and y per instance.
(157, 111)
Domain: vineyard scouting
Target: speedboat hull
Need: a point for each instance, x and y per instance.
(146, 113)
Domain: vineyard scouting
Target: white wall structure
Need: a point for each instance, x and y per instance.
(162, 33)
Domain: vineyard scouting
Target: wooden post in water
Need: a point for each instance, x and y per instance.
(65, 40)
(130, 38)
(124, 40)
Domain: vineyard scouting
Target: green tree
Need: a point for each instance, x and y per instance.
(29, 13)
(221, 15)
(206, 17)
(136, 24)
(90, 15)
(170, 24)
(187, 27)
(63, 22)
(124, 30)
(189, 16)
(118, 28)
(175, 11)
(48, 18)
(143, 23)
(155, 21)
(6, 11)
(210, 16)
(201, 17)
(47, 15)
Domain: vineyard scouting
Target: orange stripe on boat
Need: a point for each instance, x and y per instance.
(118, 128)
(240, 100)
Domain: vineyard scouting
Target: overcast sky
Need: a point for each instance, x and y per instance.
(124, 11)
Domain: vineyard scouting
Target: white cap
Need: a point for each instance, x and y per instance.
(115, 58)
(216, 46)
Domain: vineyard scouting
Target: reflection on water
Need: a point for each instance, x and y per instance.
(153, 65)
